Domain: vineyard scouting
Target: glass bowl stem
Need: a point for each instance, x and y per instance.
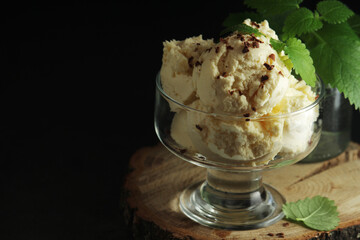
(232, 200)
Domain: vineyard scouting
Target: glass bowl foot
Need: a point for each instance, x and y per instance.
(244, 211)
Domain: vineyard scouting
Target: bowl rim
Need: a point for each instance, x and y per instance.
(241, 117)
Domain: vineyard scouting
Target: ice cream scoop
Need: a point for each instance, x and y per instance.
(242, 74)
(235, 86)
(233, 138)
(179, 59)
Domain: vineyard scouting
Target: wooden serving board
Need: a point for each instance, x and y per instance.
(157, 178)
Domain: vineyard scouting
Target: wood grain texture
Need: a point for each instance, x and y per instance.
(158, 177)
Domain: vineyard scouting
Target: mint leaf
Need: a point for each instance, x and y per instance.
(336, 53)
(318, 213)
(236, 18)
(334, 11)
(301, 21)
(300, 57)
(273, 7)
(241, 28)
(277, 45)
(354, 23)
(287, 61)
(280, 46)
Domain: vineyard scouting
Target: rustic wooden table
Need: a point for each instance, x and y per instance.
(157, 177)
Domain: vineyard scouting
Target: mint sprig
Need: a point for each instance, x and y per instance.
(330, 32)
(319, 213)
(354, 23)
(336, 54)
(334, 11)
(301, 21)
(277, 45)
(300, 57)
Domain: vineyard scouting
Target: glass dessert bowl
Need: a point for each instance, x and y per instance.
(235, 150)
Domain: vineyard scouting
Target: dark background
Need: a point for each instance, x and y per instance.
(77, 94)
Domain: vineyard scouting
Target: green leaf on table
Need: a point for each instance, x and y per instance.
(336, 53)
(318, 213)
(334, 11)
(354, 23)
(273, 7)
(301, 59)
(241, 28)
(237, 18)
(301, 21)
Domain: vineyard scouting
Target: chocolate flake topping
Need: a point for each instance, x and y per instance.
(241, 37)
(255, 45)
(254, 109)
(280, 235)
(231, 92)
(217, 50)
(190, 62)
(246, 115)
(268, 67)
(198, 127)
(255, 24)
(272, 56)
(281, 73)
(245, 49)
(229, 48)
(197, 63)
(253, 38)
(247, 119)
(224, 40)
(264, 78)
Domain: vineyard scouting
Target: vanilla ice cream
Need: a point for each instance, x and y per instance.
(241, 77)
(298, 127)
(179, 59)
(242, 74)
(232, 139)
